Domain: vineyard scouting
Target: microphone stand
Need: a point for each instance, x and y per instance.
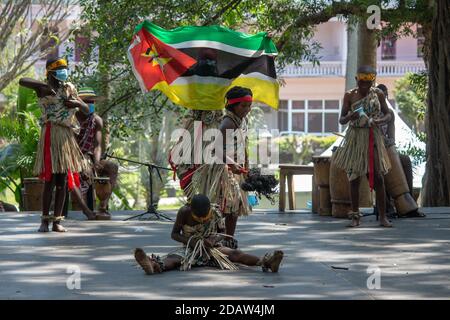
(151, 210)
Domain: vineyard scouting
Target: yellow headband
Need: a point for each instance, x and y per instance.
(366, 76)
(57, 64)
(202, 219)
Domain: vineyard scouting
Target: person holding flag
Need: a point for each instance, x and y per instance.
(197, 67)
(363, 151)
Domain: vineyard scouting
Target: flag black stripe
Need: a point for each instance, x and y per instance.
(223, 64)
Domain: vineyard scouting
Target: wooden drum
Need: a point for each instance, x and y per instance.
(322, 179)
(103, 190)
(32, 194)
(397, 185)
(340, 192)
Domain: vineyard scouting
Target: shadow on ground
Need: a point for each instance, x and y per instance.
(323, 259)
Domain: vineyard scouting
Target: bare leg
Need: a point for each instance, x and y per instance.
(172, 263)
(267, 262)
(151, 266)
(230, 224)
(60, 197)
(76, 193)
(238, 256)
(46, 201)
(354, 195)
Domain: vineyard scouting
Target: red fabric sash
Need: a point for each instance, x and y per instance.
(371, 155)
(46, 173)
(73, 180)
(172, 165)
(187, 178)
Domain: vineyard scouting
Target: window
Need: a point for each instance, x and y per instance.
(298, 104)
(331, 122)
(388, 48)
(298, 122)
(283, 116)
(315, 104)
(332, 104)
(315, 122)
(309, 116)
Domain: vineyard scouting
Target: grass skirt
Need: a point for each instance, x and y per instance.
(221, 186)
(64, 150)
(353, 154)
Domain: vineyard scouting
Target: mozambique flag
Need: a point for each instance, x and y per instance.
(195, 66)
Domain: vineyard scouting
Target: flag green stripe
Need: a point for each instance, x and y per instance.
(214, 33)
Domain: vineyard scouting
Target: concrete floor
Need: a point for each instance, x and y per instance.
(413, 257)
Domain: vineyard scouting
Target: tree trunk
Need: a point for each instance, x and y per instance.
(367, 45)
(352, 56)
(437, 178)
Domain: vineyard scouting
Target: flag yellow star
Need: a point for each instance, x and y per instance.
(155, 59)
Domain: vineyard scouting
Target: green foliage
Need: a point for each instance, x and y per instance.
(417, 154)
(410, 95)
(18, 156)
(297, 149)
(22, 130)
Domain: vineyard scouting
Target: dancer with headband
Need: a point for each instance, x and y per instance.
(220, 179)
(362, 152)
(58, 156)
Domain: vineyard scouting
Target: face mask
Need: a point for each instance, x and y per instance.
(91, 108)
(61, 74)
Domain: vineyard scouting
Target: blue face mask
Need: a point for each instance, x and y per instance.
(61, 74)
(91, 108)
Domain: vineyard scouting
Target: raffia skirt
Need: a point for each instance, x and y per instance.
(65, 154)
(353, 154)
(221, 186)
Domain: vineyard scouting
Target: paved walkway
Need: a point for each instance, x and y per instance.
(323, 259)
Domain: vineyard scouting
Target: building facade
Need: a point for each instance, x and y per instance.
(311, 98)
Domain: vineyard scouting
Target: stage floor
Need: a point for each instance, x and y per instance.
(413, 258)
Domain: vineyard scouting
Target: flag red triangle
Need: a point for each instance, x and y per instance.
(156, 61)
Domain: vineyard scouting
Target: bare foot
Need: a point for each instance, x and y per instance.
(90, 215)
(356, 218)
(147, 264)
(43, 227)
(385, 223)
(273, 261)
(102, 216)
(57, 227)
(355, 223)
